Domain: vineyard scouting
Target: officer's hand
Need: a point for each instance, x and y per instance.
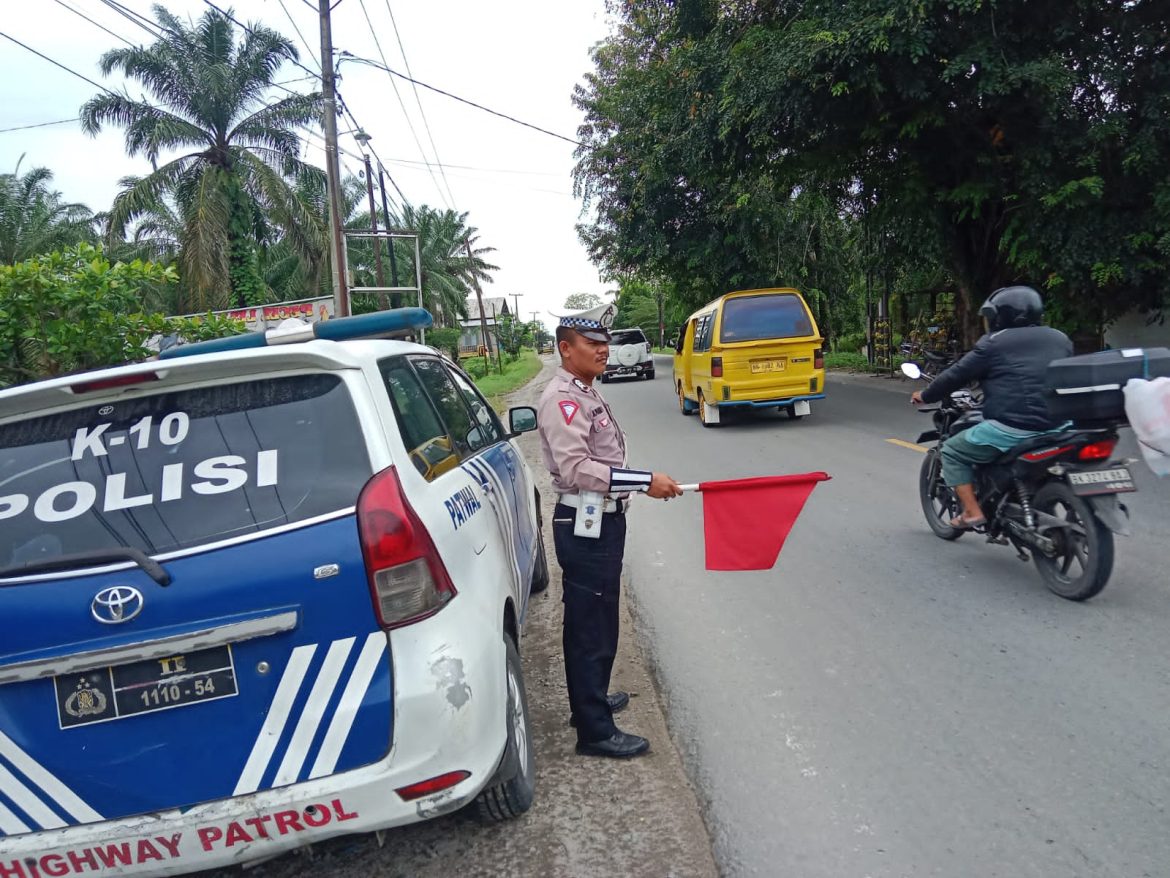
(916, 397)
(663, 487)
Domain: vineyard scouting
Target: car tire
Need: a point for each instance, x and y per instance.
(791, 411)
(649, 375)
(707, 414)
(514, 786)
(540, 573)
(682, 402)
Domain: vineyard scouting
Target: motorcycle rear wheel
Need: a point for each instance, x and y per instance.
(1091, 550)
(939, 503)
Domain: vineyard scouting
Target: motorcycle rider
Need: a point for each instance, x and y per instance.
(1011, 363)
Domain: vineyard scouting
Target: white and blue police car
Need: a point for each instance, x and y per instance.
(256, 593)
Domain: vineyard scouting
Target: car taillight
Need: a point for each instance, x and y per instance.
(819, 358)
(1102, 450)
(408, 580)
(717, 367)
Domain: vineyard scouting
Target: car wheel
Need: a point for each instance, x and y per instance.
(650, 375)
(540, 574)
(682, 402)
(791, 410)
(514, 786)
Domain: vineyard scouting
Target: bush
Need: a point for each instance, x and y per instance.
(849, 344)
(446, 340)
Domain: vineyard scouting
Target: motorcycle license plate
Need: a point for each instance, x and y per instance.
(759, 366)
(1118, 480)
(113, 693)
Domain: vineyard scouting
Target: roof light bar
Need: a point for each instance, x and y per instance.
(380, 323)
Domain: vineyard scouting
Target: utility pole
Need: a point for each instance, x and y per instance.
(332, 166)
(386, 220)
(362, 138)
(516, 299)
(487, 347)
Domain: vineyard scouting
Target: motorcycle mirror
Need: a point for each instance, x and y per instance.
(911, 370)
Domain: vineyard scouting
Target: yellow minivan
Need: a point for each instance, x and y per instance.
(749, 349)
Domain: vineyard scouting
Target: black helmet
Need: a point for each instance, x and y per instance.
(1009, 307)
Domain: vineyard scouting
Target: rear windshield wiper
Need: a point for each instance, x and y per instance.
(89, 559)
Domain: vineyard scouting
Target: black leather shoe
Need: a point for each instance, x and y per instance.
(620, 746)
(618, 701)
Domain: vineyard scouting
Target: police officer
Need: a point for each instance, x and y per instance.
(585, 452)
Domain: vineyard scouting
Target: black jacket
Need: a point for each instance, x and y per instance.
(1011, 366)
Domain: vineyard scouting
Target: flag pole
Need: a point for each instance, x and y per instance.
(694, 487)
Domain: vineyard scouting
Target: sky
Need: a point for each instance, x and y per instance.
(519, 57)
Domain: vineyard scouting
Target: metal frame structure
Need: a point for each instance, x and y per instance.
(389, 236)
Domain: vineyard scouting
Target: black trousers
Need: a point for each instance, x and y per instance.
(592, 586)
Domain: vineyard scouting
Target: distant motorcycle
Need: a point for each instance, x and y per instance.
(1054, 498)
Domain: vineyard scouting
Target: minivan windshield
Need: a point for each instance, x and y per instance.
(179, 469)
(774, 315)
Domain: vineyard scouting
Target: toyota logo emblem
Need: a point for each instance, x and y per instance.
(118, 604)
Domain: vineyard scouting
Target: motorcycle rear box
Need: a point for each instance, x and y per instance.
(1088, 389)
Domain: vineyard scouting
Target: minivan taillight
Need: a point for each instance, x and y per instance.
(717, 367)
(408, 580)
(819, 358)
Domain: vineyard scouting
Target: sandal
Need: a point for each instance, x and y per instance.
(965, 523)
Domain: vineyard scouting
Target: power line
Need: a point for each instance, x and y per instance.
(55, 63)
(418, 100)
(293, 22)
(402, 104)
(357, 60)
(81, 14)
(482, 169)
(39, 125)
(353, 121)
(134, 18)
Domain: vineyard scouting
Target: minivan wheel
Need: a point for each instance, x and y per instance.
(682, 402)
(514, 786)
(707, 413)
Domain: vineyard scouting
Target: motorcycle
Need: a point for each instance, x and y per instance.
(1054, 498)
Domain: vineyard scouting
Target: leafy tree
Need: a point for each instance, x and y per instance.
(34, 219)
(1006, 141)
(582, 301)
(72, 310)
(235, 177)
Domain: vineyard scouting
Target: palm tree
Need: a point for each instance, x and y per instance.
(236, 176)
(33, 218)
(447, 270)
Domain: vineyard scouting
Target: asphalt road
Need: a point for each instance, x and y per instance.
(883, 703)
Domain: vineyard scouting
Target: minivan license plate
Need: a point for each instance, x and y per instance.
(106, 694)
(759, 366)
(1102, 481)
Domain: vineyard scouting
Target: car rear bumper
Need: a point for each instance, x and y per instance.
(438, 686)
(618, 371)
(768, 403)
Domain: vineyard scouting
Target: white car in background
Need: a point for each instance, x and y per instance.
(255, 595)
(630, 355)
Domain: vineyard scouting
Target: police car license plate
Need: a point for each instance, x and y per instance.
(1102, 481)
(759, 366)
(143, 687)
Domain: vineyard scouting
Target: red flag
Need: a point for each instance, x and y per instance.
(746, 521)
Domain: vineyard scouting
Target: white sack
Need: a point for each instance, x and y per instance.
(1147, 406)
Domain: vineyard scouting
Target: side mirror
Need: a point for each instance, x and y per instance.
(911, 370)
(521, 419)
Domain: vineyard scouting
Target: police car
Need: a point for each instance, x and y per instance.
(256, 593)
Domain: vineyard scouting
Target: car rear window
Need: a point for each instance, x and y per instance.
(627, 336)
(179, 469)
(753, 318)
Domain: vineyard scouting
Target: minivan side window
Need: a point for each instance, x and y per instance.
(449, 403)
(703, 333)
(682, 337)
(487, 430)
(431, 450)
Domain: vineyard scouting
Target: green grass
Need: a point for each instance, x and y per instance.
(516, 374)
(663, 351)
(854, 362)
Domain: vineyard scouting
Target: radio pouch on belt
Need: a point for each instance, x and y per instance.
(590, 507)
